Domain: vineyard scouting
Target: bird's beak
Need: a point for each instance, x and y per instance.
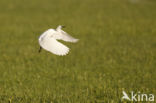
(63, 26)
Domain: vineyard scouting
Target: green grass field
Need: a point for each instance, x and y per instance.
(116, 51)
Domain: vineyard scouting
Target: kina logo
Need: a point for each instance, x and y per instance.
(137, 96)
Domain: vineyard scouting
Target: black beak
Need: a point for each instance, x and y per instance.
(63, 26)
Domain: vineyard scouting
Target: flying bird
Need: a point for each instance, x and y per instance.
(48, 41)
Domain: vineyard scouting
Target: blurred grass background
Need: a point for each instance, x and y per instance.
(116, 51)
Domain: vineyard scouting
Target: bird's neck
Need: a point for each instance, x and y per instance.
(58, 28)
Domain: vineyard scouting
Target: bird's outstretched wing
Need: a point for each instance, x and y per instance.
(66, 37)
(52, 45)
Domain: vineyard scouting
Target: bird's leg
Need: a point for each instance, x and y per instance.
(40, 49)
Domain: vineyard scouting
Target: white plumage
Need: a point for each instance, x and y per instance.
(48, 41)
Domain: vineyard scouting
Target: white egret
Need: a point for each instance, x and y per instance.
(48, 41)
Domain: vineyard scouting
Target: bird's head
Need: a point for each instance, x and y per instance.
(60, 27)
(63, 26)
